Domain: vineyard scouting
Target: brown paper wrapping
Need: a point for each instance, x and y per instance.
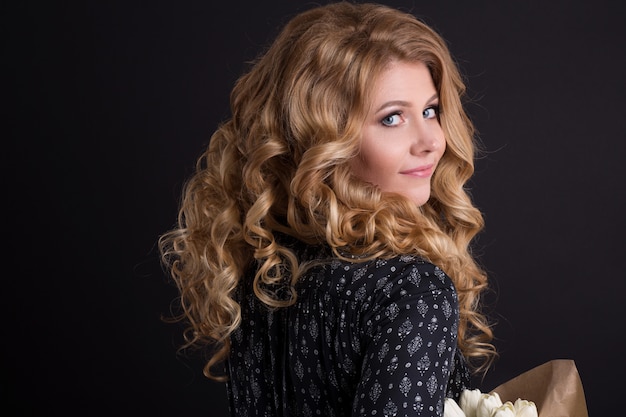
(555, 388)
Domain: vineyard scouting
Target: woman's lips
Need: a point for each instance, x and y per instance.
(420, 172)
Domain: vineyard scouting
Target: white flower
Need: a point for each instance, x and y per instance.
(487, 403)
(469, 401)
(452, 409)
(525, 408)
(505, 410)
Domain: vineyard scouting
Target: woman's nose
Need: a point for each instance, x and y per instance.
(426, 139)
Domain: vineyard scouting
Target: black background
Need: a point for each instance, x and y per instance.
(107, 105)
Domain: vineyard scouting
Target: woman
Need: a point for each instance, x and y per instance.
(323, 242)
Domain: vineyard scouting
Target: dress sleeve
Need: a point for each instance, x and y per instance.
(409, 340)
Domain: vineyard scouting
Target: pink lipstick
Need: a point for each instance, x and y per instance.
(423, 171)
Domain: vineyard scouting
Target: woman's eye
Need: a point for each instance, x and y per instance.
(431, 112)
(392, 120)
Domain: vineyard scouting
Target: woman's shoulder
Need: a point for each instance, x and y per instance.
(398, 276)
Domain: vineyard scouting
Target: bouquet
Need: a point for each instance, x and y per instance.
(553, 389)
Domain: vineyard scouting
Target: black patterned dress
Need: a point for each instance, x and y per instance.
(374, 338)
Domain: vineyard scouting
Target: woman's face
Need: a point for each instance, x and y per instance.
(402, 141)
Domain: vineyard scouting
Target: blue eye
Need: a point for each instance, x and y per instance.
(431, 112)
(391, 120)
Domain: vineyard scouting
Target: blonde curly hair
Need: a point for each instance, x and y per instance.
(280, 164)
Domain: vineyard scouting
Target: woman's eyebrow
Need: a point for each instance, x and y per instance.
(394, 103)
(404, 103)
